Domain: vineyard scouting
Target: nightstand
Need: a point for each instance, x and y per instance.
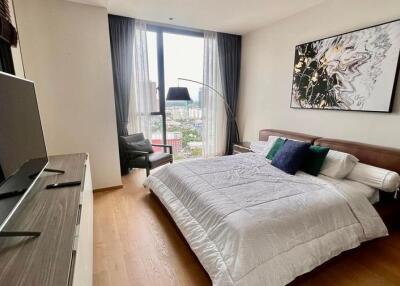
(243, 147)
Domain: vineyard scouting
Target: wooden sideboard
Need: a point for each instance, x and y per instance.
(63, 254)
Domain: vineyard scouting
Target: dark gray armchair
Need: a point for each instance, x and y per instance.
(137, 152)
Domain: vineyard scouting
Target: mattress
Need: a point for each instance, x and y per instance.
(251, 224)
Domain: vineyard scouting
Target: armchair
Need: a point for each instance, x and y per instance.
(137, 152)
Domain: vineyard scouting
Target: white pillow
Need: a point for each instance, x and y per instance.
(379, 178)
(258, 146)
(338, 164)
(263, 147)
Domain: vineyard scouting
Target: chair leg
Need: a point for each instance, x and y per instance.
(147, 172)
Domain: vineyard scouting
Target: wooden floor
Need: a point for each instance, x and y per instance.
(135, 243)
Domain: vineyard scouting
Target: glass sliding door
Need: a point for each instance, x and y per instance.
(176, 54)
(157, 115)
(183, 58)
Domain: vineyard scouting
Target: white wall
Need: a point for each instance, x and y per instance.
(66, 51)
(267, 68)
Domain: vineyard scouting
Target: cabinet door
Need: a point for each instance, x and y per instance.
(83, 271)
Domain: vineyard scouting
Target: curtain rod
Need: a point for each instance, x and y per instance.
(165, 25)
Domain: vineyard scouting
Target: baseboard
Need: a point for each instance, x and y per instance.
(108, 188)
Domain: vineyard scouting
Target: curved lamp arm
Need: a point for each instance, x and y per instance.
(232, 115)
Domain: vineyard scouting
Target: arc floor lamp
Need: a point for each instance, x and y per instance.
(182, 94)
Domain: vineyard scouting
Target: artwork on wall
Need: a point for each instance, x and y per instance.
(355, 71)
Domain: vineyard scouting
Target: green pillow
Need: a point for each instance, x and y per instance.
(313, 162)
(275, 148)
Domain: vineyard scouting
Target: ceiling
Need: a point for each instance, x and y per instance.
(229, 16)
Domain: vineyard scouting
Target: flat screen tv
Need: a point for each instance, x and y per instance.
(23, 154)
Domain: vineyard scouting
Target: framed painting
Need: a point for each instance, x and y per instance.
(355, 71)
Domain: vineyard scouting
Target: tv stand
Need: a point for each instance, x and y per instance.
(12, 194)
(33, 176)
(61, 254)
(19, 233)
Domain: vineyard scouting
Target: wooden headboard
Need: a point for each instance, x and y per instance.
(379, 156)
(265, 133)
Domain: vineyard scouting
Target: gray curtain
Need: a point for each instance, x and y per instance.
(121, 37)
(6, 60)
(229, 48)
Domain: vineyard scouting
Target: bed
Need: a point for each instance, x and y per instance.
(251, 224)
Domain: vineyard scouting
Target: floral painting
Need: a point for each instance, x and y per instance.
(353, 71)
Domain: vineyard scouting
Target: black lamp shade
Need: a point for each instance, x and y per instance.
(178, 93)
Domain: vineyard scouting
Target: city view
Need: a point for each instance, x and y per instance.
(184, 129)
(183, 58)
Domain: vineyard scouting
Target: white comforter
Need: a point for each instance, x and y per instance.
(251, 224)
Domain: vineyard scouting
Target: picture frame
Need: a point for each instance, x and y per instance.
(352, 71)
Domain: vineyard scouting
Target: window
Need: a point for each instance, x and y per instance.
(5, 10)
(7, 30)
(153, 70)
(8, 38)
(174, 54)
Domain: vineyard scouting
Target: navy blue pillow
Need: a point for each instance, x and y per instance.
(291, 156)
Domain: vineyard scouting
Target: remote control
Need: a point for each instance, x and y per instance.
(63, 185)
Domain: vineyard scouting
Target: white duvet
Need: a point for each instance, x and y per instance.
(251, 224)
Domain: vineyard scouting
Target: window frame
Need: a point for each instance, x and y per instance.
(160, 30)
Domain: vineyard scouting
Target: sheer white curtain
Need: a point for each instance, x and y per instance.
(213, 109)
(140, 107)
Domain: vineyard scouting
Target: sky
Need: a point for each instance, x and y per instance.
(183, 57)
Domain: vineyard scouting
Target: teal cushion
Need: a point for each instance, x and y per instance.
(313, 162)
(275, 148)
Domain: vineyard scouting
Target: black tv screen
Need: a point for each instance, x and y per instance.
(23, 154)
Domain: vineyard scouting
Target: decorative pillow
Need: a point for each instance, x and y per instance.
(291, 156)
(338, 164)
(379, 178)
(144, 146)
(260, 147)
(263, 147)
(314, 160)
(275, 148)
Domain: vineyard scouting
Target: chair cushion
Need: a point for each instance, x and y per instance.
(155, 160)
(132, 138)
(144, 146)
(126, 141)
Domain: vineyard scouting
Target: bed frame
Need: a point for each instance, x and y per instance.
(379, 156)
(388, 158)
